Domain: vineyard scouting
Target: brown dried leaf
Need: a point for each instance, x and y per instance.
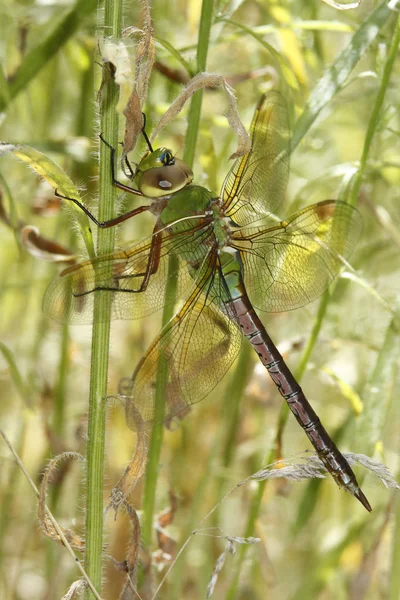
(132, 556)
(133, 123)
(43, 248)
(166, 517)
(177, 75)
(145, 57)
(46, 204)
(209, 80)
(166, 543)
(136, 467)
(45, 523)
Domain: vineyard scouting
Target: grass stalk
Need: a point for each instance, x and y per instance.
(101, 324)
(162, 374)
(376, 111)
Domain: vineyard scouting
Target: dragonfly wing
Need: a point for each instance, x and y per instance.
(196, 348)
(292, 263)
(256, 183)
(70, 296)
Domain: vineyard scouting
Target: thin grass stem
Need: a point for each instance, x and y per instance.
(101, 323)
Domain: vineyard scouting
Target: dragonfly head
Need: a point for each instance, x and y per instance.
(160, 173)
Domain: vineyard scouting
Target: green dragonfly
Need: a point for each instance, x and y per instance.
(225, 269)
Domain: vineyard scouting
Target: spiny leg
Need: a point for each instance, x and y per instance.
(151, 268)
(111, 222)
(118, 184)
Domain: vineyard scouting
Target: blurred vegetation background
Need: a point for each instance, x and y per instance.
(315, 540)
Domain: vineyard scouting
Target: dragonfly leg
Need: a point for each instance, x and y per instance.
(151, 268)
(119, 184)
(104, 224)
(131, 171)
(154, 260)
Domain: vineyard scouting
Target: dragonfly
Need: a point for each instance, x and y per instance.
(227, 266)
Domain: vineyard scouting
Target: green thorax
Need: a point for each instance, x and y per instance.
(189, 202)
(197, 202)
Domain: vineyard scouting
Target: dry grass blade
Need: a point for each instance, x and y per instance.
(45, 522)
(136, 467)
(209, 80)
(374, 466)
(76, 589)
(309, 470)
(230, 547)
(53, 520)
(313, 468)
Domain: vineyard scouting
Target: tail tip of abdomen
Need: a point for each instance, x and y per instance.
(361, 497)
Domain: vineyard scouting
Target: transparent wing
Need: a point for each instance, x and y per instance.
(256, 183)
(71, 295)
(194, 350)
(292, 263)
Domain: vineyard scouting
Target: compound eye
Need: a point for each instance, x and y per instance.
(166, 158)
(164, 181)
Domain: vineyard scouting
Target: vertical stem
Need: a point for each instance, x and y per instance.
(195, 105)
(162, 374)
(101, 324)
(376, 111)
(157, 434)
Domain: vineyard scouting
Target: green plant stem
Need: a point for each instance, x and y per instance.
(231, 409)
(162, 373)
(101, 324)
(374, 119)
(195, 105)
(157, 433)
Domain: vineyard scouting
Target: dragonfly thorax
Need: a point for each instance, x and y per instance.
(160, 173)
(192, 201)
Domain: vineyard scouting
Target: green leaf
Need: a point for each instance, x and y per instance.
(37, 58)
(336, 76)
(59, 180)
(379, 391)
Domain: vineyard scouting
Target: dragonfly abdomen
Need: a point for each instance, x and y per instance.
(329, 454)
